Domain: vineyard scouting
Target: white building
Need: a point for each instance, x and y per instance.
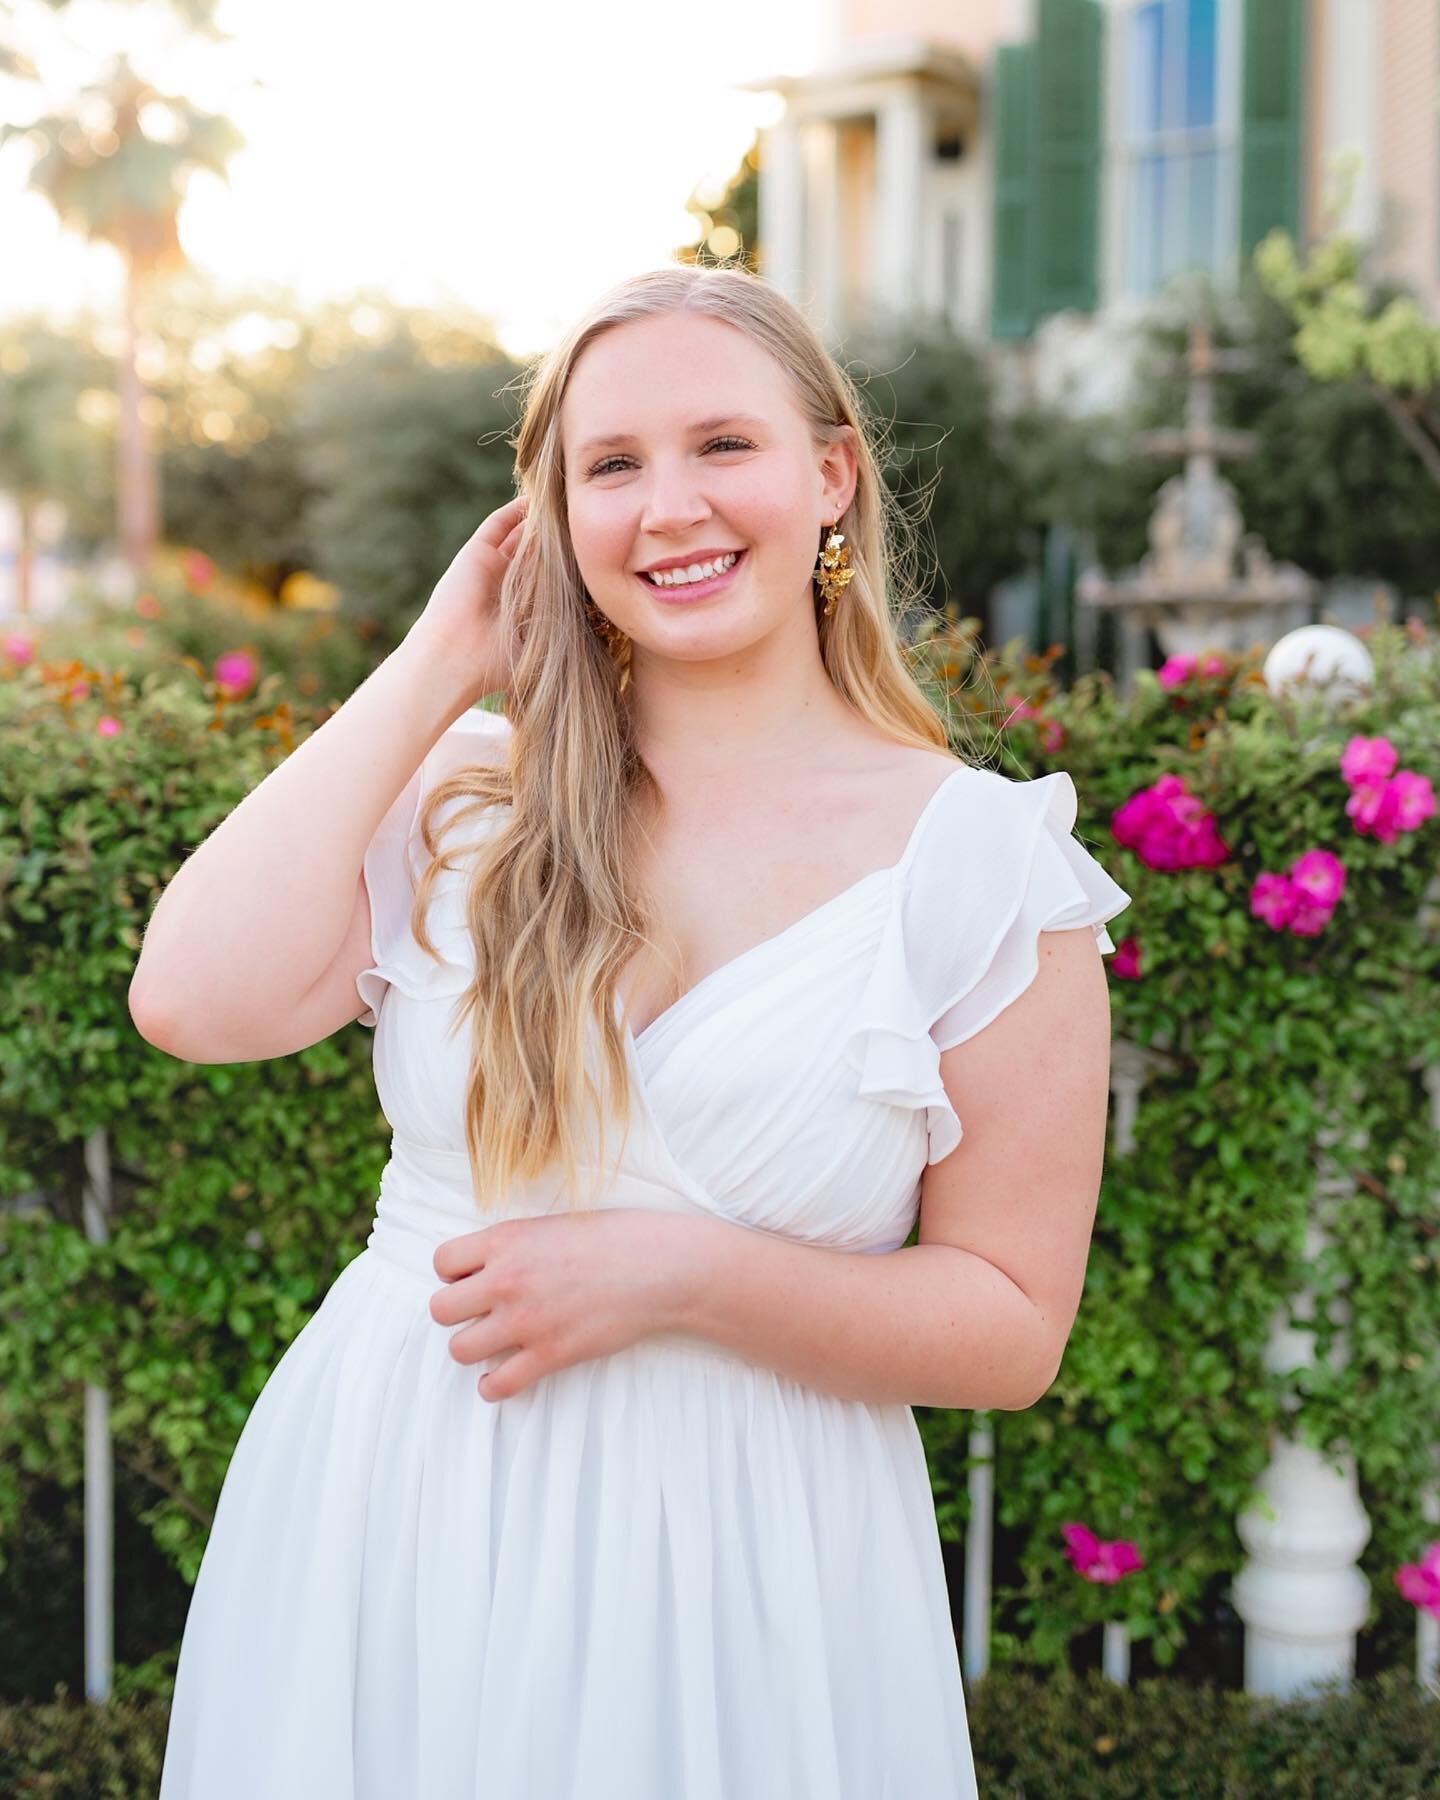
(1035, 171)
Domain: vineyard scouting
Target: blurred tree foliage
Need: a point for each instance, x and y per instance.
(728, 215)
(951, 457)
(1378, 341)
(404, 455)
(242, 470)
(253, 385)
(365, 441)
(55, 386)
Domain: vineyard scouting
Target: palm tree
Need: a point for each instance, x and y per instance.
(115, 167)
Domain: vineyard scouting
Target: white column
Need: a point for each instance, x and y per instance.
(1350, 85)
(1301, 1592)
(821, 261)
(902, 145)
(782, 207)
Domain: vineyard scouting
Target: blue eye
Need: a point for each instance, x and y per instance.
(730, 443)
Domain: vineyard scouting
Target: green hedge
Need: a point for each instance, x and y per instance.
(1067, 1737)
(1157, 1425)
(241, 1190)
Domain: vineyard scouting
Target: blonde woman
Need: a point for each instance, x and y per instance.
(595, 1475)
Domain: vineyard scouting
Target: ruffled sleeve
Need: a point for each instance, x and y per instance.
(994, 865)
(393, 865)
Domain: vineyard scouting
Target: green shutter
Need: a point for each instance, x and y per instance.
(1066, 158)
(1271, 119)
(1011, 283)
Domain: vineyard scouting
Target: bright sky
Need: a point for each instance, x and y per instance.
(514, 155)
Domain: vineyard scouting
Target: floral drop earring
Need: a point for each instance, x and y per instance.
(833, 572)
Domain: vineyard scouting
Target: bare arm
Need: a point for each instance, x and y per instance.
(255, 916)
(254, 946)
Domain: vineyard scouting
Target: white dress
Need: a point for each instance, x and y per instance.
(667, 1574)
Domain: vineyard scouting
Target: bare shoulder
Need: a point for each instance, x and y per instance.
(902, 771)
(872, 791)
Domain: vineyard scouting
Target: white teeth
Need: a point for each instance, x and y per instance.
(696, 572)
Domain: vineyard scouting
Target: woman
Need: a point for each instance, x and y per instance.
(682, 972)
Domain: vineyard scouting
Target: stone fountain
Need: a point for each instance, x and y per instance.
(1207, 584)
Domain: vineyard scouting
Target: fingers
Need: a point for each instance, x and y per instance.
(519, 1369)
(503, 521)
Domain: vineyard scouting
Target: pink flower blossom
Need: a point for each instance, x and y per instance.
(19, 648)
(235, 672)
(1097, 1561)
(79, 690)
(1385, 809)
(1168, 827)
(1415, 798)
(1125, 963)
(1383, 801)
(1320, 876)
(199, 570)
(1175, 670)
(1367, 760)
(1309, 920)
(1052, 734)
(1275, 899)
(1021, 709)
(1304, 898)
(106, 726)
(1420, 1582)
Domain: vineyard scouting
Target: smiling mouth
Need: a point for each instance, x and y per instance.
(707, 584)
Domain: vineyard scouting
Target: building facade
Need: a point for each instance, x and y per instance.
(1036, 171)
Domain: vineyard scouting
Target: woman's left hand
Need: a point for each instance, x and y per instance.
(559, 1289)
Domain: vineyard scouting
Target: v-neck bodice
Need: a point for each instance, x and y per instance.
(796, 1087)
(817, 916)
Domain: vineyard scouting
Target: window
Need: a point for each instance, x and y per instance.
(1179, 143)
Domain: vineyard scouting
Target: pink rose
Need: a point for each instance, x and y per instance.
(1367, 760)
(107, 726)
(1125, 963)
(235, 672)
(19, 648)
(1097, 1561)
(1175, 670)
(1420, 1582)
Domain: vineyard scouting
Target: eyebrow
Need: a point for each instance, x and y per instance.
(609, 443)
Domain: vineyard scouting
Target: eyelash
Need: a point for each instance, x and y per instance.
(601, 468)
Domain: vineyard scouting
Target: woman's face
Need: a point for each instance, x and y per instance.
(682, 444)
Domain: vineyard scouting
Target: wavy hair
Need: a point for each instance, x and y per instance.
(551, 904)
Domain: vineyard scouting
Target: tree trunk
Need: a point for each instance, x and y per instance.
(25, 556)
(139, 512)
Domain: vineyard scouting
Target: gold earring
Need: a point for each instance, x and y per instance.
(833, 573)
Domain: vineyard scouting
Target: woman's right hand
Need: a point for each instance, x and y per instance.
(461, 619)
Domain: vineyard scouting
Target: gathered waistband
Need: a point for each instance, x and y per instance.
(426, 1197)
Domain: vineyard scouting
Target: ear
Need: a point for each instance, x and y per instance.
(839, 472)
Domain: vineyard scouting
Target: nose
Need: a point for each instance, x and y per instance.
(673, 503)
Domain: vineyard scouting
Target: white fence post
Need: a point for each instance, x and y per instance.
(99, 1466)
(1427, 1626)
(979, 1549)
(1129, 1068)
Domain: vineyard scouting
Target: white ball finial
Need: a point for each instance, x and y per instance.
(1318, 654)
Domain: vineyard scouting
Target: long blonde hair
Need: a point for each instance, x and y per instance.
(552, 907)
